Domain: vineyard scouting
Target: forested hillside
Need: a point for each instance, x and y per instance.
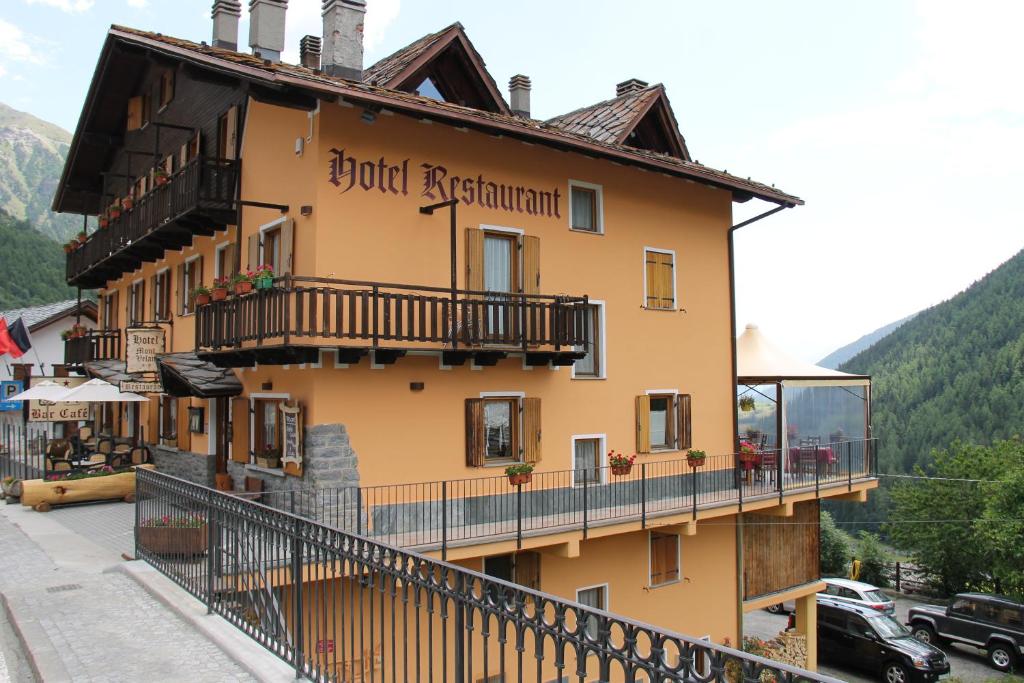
(955, 371)
(32, 266)
(845, 353)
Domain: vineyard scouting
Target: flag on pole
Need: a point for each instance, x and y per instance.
(6, 343)
(15, 339)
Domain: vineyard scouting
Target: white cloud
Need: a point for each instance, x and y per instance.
(3, 71)
(15, 45)
(380, 14)
(138, 4)
(69, 6)
(304, 18)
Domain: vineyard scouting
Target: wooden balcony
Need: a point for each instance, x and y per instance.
(94, 345)
(197, 200)
(296, 318)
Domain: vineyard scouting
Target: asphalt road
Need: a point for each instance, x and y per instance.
(966, 663)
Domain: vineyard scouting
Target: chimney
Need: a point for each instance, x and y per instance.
(519, 95)
(225, 23)
(309, 52)
(343, 38)
(629, 87)
(266, 28)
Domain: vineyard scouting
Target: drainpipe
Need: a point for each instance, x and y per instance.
(735, 416)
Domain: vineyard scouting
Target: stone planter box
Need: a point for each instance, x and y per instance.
(35, 492)
(176, 541)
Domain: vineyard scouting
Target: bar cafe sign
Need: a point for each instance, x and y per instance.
(46, 411)
(437, 183)
(143, 344)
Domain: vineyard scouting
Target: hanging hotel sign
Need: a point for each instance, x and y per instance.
(438, 184)
(141, 386)
(291, 434)
(47, 411)
(143, 344)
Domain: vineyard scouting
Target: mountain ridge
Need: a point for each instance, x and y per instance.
(848, 351)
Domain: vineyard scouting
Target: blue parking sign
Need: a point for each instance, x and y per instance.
(10, 388)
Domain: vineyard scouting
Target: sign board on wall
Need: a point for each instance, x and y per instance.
(291, 435)
(142, 346)
(10, 388)
(141, 386)
(45, 411)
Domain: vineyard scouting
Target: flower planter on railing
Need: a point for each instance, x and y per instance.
(176, 541)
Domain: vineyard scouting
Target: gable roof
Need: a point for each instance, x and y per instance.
(306, 86)
(617, 121)
(40, 316)
(470, 84)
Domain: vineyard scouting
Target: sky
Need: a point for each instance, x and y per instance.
(900, 123)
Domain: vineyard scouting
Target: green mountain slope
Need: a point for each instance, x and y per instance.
(845, 353)
(32, 266)
(32, 154)
(956, 370)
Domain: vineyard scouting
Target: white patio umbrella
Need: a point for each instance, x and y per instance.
(47, 390)
(98, 391)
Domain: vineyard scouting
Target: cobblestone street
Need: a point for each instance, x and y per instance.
(95, 624)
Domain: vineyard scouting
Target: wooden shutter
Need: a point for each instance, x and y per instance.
(134, 113)
(198, 274)
(152, 297)
(180, 294)
(287, 246)
(531, 430)
(664, 558)
(474, 259)
(475, 432)
(228, 259)
(657, 559)
(240, 430)
(112, 324)
(152, 434)
(659, 280)
(184, 435)
(183, 156)
(230, 141)
(684, 428)
(643, 424)
(254, 251)
(531, 264)
(527, 570)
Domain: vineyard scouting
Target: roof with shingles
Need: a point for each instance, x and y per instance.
(386, 69)
(35, 315)
(606, 121)
(185, 371)
(536, 131)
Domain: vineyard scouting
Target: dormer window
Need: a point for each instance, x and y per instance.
(429, 89)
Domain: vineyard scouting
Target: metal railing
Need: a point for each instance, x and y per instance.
(340, 607)
(305, 310)
(202, 183)
(93, 345)
(441, 514)
(23, 450)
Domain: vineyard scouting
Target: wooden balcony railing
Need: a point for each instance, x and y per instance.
(94, 345)
(197, 200)
(356, 317)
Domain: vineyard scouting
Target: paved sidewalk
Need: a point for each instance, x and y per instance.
(84, 623)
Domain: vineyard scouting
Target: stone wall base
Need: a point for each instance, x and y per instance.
(197, 468)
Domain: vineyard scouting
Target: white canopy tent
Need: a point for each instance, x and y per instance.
(98, 391)
(787, 403)
(47, 390)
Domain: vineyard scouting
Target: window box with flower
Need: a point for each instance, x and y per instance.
(242, 283)
(161, 177)
(271, 458)
(621, 464)
(201, 295)
(263, 278)
(220, 288)
(695, 458)
(177, 535)
(520, 473)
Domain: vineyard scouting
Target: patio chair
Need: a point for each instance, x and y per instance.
(140, 455)
(58, 456)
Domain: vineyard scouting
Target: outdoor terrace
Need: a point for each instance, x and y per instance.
(199, 199)
(92, 345)
(292, 320)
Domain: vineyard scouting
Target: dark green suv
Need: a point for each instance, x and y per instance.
(860, 637)
(991, 622)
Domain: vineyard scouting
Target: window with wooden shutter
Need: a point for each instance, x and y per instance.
(152, 422)
(180, 294)
(527, 569)
(240, 430)
(474, 259)
(227, 134)
(225, 260)
(287, 238)
(475, 442)
(659, 278)
(153, 306)
(253, 249)
(168, 420)
(531, 264)
(664, 558)
(184, 434)
(643, 424)
(684, 427)
(134, 121)
(166, 87)
(531, 430)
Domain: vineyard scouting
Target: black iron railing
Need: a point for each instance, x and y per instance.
(340, 607)
(201, 185)
(93, 345)
(314, 311)
(441, 514)
(23, 450)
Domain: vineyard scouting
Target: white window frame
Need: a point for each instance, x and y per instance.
(671, 416)
(188, 285)
(598, 200)
(216, 258)
(251, 464)
(679, 558)
(131, 301)
(519, 396)
(675, 267)
(602, 360)
(166, 270)
(264, 229)
(160, 422)
(602, 457)
(607, 595)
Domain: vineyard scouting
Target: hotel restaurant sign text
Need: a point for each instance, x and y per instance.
(143, 344)
(437, 184)
(46, 411)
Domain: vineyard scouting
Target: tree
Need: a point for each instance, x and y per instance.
(873, 560)
(1002, 528)
(834, 547)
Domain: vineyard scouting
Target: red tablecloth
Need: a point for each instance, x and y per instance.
(825, 455)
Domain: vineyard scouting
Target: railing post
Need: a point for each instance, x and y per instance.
(778, 473)
(444, 520)
(287, 309)
(519, 516)
(817, 472)
(849, 466)
(586, 503)
(643, 495)
(693, 490)
(459, 632)
(897, 576)
(211, 549)
(738, 469)
(297, 591)
(376, 315)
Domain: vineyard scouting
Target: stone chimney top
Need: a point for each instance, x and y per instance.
(225, 23)
(343, 38)
(519, 95)
(309, 52)
(629, 87)
(266, 28)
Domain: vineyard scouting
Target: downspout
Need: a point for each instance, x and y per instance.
(735, 416)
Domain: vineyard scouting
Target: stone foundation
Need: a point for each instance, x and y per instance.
(194, 467)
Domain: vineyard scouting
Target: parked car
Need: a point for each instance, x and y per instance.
(846, 590)
(991, 622)
(864, 638)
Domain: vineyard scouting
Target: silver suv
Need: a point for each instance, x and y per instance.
(845, 590)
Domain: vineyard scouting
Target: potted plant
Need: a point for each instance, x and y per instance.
(127, 203)
(621, 464)
(748, 452)
(747, 403)
(11, 486)
(220, 289)
(264, 277)
(520, 473)
(115, 212)
(242, 283)
(271, 458)
(69, 247)
(82, 237)
(161, 177)
(695, 458)
(181, 535)
(201, 295)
